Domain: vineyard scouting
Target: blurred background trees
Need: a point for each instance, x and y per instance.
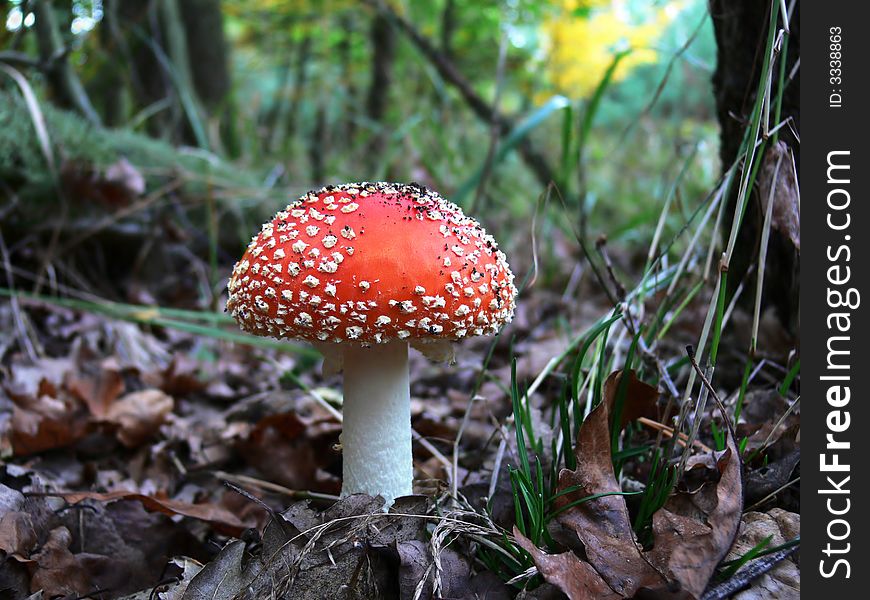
(232, 108)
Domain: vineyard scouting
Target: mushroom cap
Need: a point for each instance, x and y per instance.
(370, 263)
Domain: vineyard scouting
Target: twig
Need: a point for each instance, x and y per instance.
(268, 486)
(535, 160)
(18, 59)
(448, 466)
(744, 577)
(20, 317)
(667, 431)
(690, 351)
(772, 494)
(245, 493)
(494, 127)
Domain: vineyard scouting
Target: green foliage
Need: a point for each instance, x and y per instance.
(75, 140)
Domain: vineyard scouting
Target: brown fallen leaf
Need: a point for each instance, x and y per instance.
(17, 534)
(45, 421)
(98, 388)
(293, 450)
(221, 519)
(56, 571)
(138, 415)
(786, 215)
(691, 534)
(695, 529)
(783, 581)
(603, 525)
(573, 576)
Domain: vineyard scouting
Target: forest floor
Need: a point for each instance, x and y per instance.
(149, 461)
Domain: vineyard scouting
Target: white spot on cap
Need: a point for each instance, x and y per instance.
(329, 241)
(406, 307)
(329, 290)
(299, 246)
(328, 267)
(419, 290)
(364, 285)
(353, 332)
(382, 321)
(311, 281)
(434, 301)
(347, 232)
(349, 208)
(279, 254)
(312, 230)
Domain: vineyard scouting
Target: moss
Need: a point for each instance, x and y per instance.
(75, 140)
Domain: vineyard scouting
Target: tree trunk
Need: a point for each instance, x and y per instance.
(741, 28)
(383, 55)
(208, 52)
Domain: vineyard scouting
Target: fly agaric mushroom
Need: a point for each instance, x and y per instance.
(362, 270)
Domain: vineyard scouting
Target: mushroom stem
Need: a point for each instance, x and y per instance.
(376, 434)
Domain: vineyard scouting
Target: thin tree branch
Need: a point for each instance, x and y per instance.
(60, 73)
(18, 59)
(451, 74)
(745, 576)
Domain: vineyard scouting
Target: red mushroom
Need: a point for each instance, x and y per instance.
(362, 270)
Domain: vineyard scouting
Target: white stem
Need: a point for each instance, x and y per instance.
(376, 434)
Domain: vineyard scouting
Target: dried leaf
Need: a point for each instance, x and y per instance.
(138, 415)
(573, 576)
(17, 534)
(97, 390)
(56, 571)
(783, 581)
(603, 525)
(293, 450)
(417, 571)
(224, 577)
(786, 215)
(695, 529)
(223, 520)
(45, 422)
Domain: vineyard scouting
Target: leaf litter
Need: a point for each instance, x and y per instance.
(692, 531)
(120, 441)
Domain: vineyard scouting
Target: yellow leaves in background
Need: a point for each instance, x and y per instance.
(582, 36)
